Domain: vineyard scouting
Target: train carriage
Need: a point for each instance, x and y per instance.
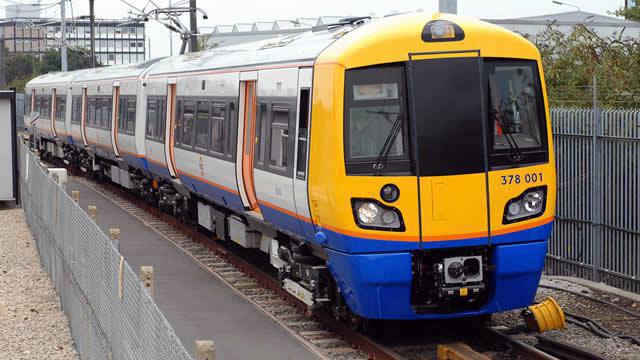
(400, 168)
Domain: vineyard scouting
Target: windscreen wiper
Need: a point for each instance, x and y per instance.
(391, 137)
(515, 154)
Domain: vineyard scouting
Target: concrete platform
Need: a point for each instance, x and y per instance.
(197, 304)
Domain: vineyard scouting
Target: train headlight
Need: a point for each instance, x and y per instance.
(442, 30)
(532, 201)
(528, 205)
(367, 213)
(370, 214)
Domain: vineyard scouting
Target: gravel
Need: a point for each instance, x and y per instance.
(31, 323)
(611, 318)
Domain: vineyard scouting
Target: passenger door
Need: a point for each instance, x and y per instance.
(246, 141)
(170, 130)
(301, 151)
(449, 142)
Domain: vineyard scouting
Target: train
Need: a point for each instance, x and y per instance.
(399, 168)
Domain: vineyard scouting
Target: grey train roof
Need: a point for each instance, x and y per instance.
(301, 47)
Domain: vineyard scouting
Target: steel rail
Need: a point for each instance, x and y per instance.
(525, 350)
(565, 350)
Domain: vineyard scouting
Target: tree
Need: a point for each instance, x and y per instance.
(572, 60)
(632, 13)
(75, 60)
(20, 66)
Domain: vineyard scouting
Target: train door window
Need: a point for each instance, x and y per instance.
(162, 119)
(75, 113)
(91, 112)
(188, 113)
(131, 115)
(303, 125)
(152, 118)
(279, 137)
(261, 128)
(202, 124)
(232, 130)
(179, 124)
(99, 114)
(122, 120)
(61, 108)
(46, 107)
(217, 127)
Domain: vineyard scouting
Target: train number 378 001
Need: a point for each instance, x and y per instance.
(517, 179)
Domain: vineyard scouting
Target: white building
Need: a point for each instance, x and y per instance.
(602, 25)
(225, 35)
(31, 10)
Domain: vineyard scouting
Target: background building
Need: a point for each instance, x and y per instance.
(31, 10)
(225, 35)
(602, 25)
(116, 41)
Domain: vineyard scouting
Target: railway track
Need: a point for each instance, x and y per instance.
(326, 336)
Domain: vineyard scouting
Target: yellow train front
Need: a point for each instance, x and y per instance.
(431, 176)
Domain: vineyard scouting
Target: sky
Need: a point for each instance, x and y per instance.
(248, 11)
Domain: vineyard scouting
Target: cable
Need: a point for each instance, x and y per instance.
(625, 310)
(597, 328)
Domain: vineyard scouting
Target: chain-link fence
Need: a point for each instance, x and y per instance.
(111, 314)
(597, 230)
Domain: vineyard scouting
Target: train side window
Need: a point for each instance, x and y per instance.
(261, 128)
(108, 109)
(217, 127)
(131, 115)
(203, 124)
(187, 122)
(152, 118)
(101, 113)
(303, 124)
(279, 138)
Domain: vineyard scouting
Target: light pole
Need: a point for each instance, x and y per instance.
(565, 4)
(63, 30)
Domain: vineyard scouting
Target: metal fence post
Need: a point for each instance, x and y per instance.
(147, 278)
(596, 186)
(75, 195)
(114, 235)
(205, 350)
(93, 212)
